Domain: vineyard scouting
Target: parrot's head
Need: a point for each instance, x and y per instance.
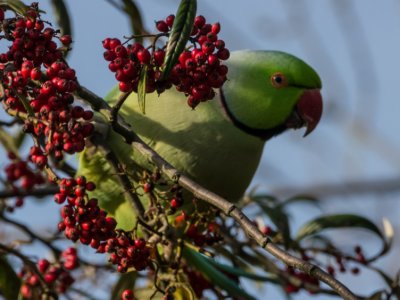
(268, 92)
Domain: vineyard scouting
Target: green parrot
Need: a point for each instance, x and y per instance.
(219, 144)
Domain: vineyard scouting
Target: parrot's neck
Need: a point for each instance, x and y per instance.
(264, 134)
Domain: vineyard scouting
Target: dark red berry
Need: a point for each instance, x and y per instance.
(199, 21)
(162, 26)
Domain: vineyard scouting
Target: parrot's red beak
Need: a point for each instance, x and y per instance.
(308, 111)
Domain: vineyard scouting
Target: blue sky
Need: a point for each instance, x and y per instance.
(354, 46)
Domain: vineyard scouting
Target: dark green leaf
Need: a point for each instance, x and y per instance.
(300, 198)
(241, 273)
(62, 16)
(180, 33)
(142, 89)
(9, 281)
(135, 17)
(337, 221)
(19, 139)
(8, 142)
(203, 265)
(15, 5)
(125, 281)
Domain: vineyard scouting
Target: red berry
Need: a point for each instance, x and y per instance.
(159, 56)
(66, 40)
(39, 25)
(199, 21)
(1, 15)
(208, 47)
(109, 55)
(43, 264)
(90, 186)
(174, 203)
(223, 54)
(213, 60)
(162, 26)
(215, 28)
(127, 295)
(212, 37)
(114, 43)
(219, 44)
(36, 74)
(170, 20)
(130, 70)
(125, 86)
(183, 57)
(106, 43)
(144, 56)
(120, 51)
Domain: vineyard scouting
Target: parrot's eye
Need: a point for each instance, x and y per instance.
(278, 80)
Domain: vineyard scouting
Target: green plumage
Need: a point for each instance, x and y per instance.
(203, 143)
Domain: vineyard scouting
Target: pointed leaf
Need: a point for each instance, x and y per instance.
(300, 198)
(62, 16)
(241, 273)
(9, 281)
(180, 33)
(142, 89)
(7, 142)
(125, 281)
(15, 5)
(214, 275)
(337, 221)
(135, 17)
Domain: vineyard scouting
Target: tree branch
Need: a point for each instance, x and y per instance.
(350, 188)
(37, 192)
(199, 192)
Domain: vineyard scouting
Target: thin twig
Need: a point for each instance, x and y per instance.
(118, 105)
(31, 265)
(37, 192)
(125, 183)
(200, 192)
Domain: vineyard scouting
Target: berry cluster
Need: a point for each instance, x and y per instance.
(55, 275)
(21, 176)
(83, 220)
(47, 99)
(198, 71)
(204, 236)
(341, 262)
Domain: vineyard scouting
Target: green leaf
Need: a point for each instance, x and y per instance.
(125, 281)
(62, 16)
(19, 139)
(212, 274)
(9, 281)
(135, 17)
(15, 5)
(142, 89)
(241, 273)
(8, 142)
(180, 34)
(337, 221)
(300, 198)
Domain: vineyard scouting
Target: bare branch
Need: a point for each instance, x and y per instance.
(37, 192)
(350, 188)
